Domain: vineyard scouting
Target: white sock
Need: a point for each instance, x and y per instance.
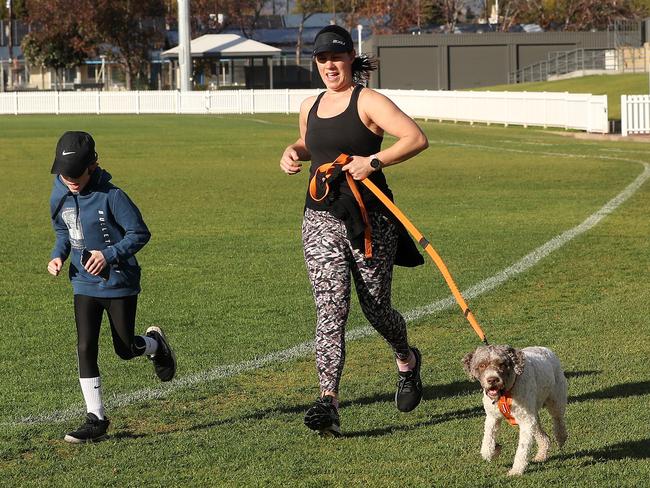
(92, 391)
(150, 345)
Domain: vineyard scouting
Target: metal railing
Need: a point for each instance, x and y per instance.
(564, 62)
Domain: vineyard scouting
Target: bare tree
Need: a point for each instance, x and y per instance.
(451, 10)
(306, 9)
(573, 15)
(393, 16)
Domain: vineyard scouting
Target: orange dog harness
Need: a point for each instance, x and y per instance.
(504, 404)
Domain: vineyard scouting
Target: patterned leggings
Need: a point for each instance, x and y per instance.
(330, 261)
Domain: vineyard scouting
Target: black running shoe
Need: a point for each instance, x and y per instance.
(92, 430)
(164, 361)
(324, 417)
(409, 386)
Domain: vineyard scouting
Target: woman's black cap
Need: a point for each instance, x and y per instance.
(75, 151)
(333, 38)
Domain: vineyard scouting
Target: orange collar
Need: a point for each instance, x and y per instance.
(504, 403)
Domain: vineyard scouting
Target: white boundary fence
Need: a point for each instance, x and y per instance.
(566, 110)
(635, 114)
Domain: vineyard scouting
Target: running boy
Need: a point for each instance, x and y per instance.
(100, 229)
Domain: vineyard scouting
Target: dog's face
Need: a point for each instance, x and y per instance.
(495, 367)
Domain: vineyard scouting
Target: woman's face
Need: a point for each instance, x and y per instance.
(335, 69)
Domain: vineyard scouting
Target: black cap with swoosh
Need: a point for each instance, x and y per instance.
(75, 151)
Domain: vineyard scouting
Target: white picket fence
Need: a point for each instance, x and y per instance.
(635, 114)
(567, 110)
(546, 109)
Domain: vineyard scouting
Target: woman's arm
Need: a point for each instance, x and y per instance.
(379, 113)
(289, 162)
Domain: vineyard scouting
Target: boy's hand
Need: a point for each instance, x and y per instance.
(96, 262)
(54, 266)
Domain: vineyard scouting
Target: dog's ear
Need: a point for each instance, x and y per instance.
(518, 359)
(467, 364)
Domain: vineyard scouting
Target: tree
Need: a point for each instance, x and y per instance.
(572, 15)
(305, 8)
(241, 14)
(128, 32)
(400, 16)
(392, 16)
(18, 9)
(450, 10)
(66, 43)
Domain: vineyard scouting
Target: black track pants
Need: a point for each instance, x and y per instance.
(88, 313)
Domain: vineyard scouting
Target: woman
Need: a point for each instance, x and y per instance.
(348, 118)
(100, 229)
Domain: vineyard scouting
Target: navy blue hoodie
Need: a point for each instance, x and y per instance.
(100, 217)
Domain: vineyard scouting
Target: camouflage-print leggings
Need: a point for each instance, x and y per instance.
(330, 261)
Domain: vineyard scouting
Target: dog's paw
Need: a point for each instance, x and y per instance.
(515, 472)
(490, 454)
(541, 457)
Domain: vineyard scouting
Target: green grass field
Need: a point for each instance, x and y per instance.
(611, 85)
(224, 275)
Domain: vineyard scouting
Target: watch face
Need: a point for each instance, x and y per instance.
(375, 163)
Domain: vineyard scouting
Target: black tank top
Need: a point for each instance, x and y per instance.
(326, 138)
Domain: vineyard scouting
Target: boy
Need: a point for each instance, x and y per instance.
(100, 229)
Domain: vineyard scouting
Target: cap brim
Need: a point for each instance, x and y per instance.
(60, 168)
(335, 48)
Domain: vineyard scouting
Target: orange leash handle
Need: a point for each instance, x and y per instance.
(324, 171)
(426, 245)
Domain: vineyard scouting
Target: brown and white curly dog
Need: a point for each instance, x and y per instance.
(532, 377)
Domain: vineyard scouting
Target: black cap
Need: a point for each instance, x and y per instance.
(75, 151)
(333, 38)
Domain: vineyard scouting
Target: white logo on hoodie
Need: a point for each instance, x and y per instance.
(69, 216)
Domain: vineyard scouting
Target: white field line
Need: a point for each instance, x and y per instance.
(302, 350)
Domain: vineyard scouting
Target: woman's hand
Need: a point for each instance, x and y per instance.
(290, 161)
(96, 262)
(54, 266)
(359, 167)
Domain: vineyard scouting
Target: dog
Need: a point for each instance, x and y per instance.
(516, 383)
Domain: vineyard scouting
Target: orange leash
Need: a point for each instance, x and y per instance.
(417, 235)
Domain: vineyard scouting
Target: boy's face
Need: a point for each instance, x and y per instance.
(75, 185)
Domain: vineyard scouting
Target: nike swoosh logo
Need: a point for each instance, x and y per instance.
(64, 153)
(96, 387)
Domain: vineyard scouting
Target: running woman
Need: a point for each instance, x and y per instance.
(99, 228)
(349, 118)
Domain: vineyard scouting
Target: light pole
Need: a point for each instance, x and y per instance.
(359, 29)
(10, 43)
(184, 51)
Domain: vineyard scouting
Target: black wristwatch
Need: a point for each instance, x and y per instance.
(375, 163)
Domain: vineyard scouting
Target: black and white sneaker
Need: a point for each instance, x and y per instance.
(164, 361)
(92, 430)
(409, 386)
(323, 416)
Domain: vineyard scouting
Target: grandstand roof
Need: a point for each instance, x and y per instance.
(225, 46)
